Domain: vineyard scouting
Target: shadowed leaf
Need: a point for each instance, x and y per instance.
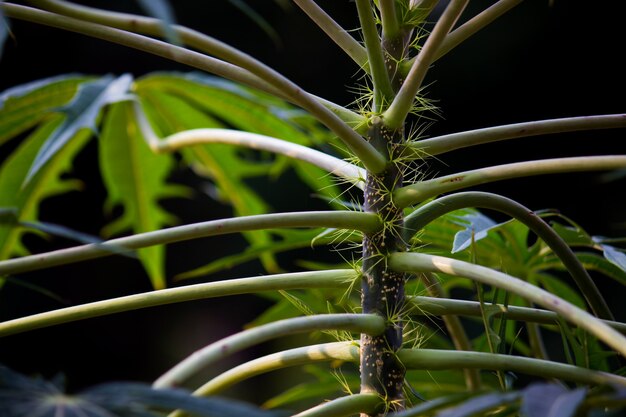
(550, 400)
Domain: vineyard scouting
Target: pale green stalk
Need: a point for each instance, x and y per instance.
(389, 19)
(361, 323)
(376, 58)
(455, 329)
(326, 352)
(444, 306)
(370, 158)
(397, 112)
(437, 208)
(419, 262)
(469, 28)
(437, 359)
(367, 404)
(335, 32)
(314, 279)
(334, 219)
(446, 143)
(423, 190)
(192, 137)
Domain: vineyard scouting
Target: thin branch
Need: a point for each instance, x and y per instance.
(201, 42)
(326, 352)
(421, 191)
(193, 137)
(315, 279)
(455, 329)
(431, 211)
(376, 58)
(370, 158)
(472, 26)
(335, 32)
(361, 323)
(335, 219)
(437, 359)
(395, 115)
(444, 306)
(419, 262)
(350, 405)
(389, 19)
(454, 141)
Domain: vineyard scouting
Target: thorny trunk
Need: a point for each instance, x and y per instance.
(382, 290)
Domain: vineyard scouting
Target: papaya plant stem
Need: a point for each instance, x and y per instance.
(370, 158)
(419, 262)
(455, 329)
(346, 406)
(397, 112)
(335, 32)
(430, 211)
(375, 55)
(334, 219)
(349, 352)
(363, 323)
(193, 137)
(423, 190)
(443, 306)
(446, 143)
(437, 359)
(313, 279)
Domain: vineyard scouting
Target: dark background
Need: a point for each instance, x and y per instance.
(542, 60)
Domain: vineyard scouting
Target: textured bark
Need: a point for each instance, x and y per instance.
(382, 291)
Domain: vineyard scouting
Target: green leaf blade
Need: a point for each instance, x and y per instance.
(135, 178)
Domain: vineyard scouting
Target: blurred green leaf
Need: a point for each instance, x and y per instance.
(481, 404)
(136, 179)
(47, 182)
(23, 106)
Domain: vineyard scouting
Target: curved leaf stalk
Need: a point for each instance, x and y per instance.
(419, 262)
(397, 112)
(154, 27)
(429, 212)
(416, 359)
(421, 191)
(444, 306)
(193, 137)
(455, 329)
(314, 279)
(365, 323)
(469, 28)
(375, 55)
(382, 290)
(334, 31)
(437, 359)
(365, 222)
(361, 148)
(346, 406)
(326, 352)
(428, 359)
(446, 143)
